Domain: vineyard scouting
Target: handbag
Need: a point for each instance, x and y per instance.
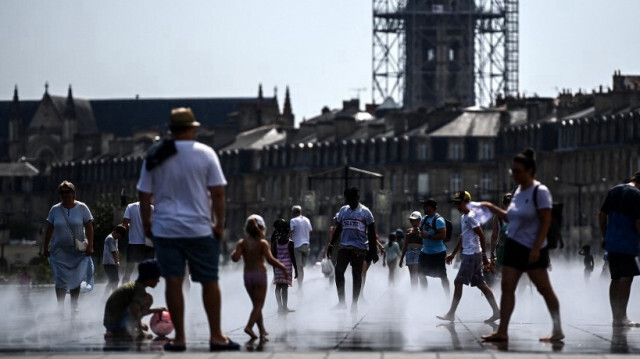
(81, 245)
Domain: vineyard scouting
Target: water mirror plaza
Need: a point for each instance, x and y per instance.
(391, 321)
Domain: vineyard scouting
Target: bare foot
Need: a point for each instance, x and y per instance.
(250, 332)
(493, 318)
(263, 338)
(495, 337)
(557, 337)
(625, 323)
(449, 317)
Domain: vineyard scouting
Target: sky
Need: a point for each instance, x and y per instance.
(321, 49)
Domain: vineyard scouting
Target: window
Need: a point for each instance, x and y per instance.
(486, 151)
(431, 54)
(422, 152)
(455, 151)
(456, 182)
(486, 183)
(423, 183)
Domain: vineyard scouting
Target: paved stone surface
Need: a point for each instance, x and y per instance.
(390, 322)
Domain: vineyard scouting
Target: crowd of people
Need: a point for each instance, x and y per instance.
(182, 231)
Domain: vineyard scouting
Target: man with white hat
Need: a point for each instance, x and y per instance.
(187, 183)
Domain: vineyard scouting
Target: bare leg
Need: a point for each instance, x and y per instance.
(413, 275)
(457, 294)
(445, 285)
(363, 276)
(257, 294)
(540, 279)
(341, 267)
(278, 291)
(510, 278)
(212, 303)
(619, 292)
(75, 294)
(175, 304)
(492, 302)
(60, 294)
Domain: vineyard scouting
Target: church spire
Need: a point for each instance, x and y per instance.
(15, 107)
(286, 110)
(70, 108)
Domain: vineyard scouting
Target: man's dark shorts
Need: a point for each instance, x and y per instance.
(433, 264)
(201, 253)
(516, 256)
(623, 265)
(138, 252)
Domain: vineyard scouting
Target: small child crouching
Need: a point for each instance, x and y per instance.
(127, 305)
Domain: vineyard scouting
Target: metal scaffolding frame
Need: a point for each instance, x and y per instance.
(495, 49)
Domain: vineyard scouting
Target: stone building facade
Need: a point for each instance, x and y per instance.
(586, 142)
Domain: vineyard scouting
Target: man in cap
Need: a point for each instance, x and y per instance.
(433, 231)
(187, 183)
(474, 256)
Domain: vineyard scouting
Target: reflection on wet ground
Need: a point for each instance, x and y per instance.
(389, 319)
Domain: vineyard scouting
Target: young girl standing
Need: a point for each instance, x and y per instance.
(282, 249)
(254, 250)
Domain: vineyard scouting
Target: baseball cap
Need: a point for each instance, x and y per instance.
(415, 215)
(429, 202)
(259, 220)
(461, 196)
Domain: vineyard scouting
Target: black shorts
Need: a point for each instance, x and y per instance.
(139, 252)
(516, 255)
(112, 272)
(433, 265)
(622, 265)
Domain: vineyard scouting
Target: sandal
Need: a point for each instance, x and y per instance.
(230, 346)
(170, 347)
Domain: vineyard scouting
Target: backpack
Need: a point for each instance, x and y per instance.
(448, 225)
(554, 235)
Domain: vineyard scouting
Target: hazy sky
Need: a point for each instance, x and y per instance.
(321, 49)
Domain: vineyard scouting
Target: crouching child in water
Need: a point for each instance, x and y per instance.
(127, 305)
(254, 250)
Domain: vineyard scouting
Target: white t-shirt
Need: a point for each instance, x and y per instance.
(136, 232)
(180, 189)
(300, 230)
(470, 239)
(110, 245)
(524, 222)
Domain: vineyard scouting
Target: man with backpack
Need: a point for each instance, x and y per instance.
(434, 232)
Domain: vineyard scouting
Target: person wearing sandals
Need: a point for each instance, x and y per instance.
(68, 222)
(186, 181)
(526, 248)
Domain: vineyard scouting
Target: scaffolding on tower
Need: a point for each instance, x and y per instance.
(484, 66)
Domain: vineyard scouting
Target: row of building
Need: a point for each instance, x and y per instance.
(586, 142)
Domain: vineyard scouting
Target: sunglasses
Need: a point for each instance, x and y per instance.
(65, 192)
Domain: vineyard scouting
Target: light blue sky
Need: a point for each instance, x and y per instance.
(320, 48)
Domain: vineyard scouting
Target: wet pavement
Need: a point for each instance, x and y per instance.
(390, 322)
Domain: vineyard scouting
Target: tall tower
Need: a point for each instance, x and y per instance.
(430, 52)
(16, 129)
